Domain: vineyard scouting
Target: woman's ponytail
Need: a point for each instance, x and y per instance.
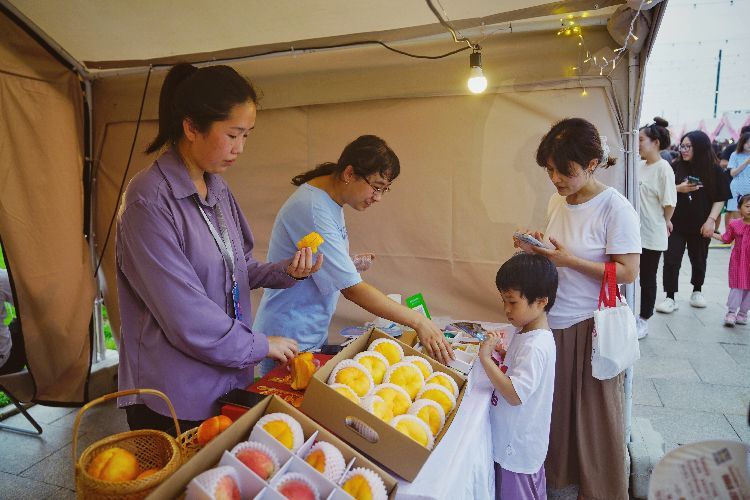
(168, 119)
(319, 171)
(367, 154)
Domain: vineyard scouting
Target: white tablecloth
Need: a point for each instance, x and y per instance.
(461, 466)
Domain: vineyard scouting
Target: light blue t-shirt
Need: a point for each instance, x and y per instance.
(304, 311)
(741, 184)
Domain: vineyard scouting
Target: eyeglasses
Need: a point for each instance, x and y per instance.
(376, 190)
(686, 147)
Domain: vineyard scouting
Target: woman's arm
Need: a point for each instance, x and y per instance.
(627, 266)
(710, 225)
(735, 170)
(373, 300)
(668, 213)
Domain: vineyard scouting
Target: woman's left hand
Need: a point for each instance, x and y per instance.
(708, 228)
(670, 228)
(302, 264)
(559, 255)
(432, 338)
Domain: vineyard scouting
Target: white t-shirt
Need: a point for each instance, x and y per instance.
(605, 225)
(520, 434)
(658, 190)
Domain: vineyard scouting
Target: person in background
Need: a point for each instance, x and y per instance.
(12, 348)
(185, 266)
(724, 156)
(727, 152)
(658, 198)
(524, 379)
(589, 224)
(740, 175)
(664, 151)
(738, 232)
(361, 177)
(702, 190)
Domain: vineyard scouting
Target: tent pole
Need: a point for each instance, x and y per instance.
(45, 39)
(100, 350)
(632, 193)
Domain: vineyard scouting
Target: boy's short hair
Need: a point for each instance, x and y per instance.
(533, 276)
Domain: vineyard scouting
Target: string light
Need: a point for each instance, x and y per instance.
(571, 28)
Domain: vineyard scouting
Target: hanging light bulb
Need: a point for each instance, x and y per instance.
(477, 82)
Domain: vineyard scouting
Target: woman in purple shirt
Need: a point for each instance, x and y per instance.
(184, 257)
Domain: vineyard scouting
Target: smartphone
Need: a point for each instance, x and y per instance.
(527, 238)
(241, 397)
(694, 180)
(331, 349)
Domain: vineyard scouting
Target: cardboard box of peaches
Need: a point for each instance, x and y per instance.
(399, 435)
(274, 452)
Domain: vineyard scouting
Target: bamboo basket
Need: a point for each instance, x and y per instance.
(189, 445)
(153, 449)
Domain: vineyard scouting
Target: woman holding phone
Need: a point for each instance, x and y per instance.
(702, 189)
(588, 225)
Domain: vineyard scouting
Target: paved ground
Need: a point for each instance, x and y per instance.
(692, 383)
(693, 380)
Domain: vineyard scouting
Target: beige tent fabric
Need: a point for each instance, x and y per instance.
(41, 213)
(468, 181)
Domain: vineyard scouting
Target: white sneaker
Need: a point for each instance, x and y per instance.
(667, 306)
(641, 326)
(697, 300)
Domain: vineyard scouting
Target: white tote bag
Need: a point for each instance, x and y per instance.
(614, 343)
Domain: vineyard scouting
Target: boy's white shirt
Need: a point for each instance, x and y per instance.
(520, 434)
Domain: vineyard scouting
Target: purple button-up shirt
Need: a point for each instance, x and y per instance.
(179, 334)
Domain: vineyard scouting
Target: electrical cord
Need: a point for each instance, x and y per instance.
(125, 174)
(447, 26)
(470, 45)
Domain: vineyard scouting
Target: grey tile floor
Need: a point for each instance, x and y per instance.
(693, 379)
(692, 383)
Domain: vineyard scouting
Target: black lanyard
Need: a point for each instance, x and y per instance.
(225, 247)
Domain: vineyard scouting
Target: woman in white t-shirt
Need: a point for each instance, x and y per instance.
(589, 224)
(658, 199)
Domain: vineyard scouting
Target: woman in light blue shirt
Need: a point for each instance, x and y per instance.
(737, 168)
(360, 178)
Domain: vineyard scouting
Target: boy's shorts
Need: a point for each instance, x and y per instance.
(516, 486)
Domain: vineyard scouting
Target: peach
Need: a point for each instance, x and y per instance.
(146, 473)
(114, 465)
(257, 461)
(364, 484)
(358, 487)
(212, 427)
(226, 489)
(296, 490)
(317, 460)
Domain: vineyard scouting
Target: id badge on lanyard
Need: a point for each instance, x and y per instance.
(225, 247)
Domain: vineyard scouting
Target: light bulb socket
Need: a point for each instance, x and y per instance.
(475, 60)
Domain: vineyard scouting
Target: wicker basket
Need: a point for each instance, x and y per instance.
(153, 450)
(188, 442)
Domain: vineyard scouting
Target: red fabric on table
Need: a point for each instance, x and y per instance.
(279, 382)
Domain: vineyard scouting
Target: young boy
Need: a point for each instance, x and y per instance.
(520, 418)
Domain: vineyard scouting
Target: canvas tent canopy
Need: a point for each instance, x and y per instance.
(73, 75)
